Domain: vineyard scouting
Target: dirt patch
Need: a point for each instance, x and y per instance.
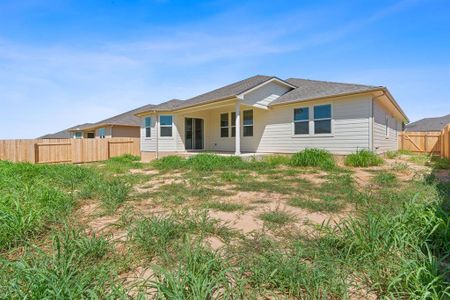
(137, 281)
(248, 220)
(214, 242)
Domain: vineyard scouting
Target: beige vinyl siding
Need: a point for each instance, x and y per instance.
(350, 128)
(148, 144)
(166, 144)
(381, 142)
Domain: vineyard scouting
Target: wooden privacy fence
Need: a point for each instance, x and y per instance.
(67, 150)
(426, 142)
(445, 142)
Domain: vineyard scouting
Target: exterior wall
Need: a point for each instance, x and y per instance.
(381, 141)
(125, 131)
(273, 129)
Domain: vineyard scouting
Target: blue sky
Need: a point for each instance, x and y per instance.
(64, 63)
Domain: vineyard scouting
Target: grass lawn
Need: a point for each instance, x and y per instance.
(210, 227)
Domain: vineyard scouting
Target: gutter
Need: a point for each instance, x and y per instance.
(382, 89)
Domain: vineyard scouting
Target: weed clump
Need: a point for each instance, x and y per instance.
(313, 158)
(363, 158)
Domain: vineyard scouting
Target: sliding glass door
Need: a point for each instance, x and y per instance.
(193, 134)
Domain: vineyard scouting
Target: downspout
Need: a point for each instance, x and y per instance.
(157, 135)
(371, 148)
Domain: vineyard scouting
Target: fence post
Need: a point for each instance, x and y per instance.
(36, 153)
(108, 146)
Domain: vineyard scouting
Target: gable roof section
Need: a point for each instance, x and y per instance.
(128, 118)
(429, 124)
(63, 134)
(314, 89)
(232, 90)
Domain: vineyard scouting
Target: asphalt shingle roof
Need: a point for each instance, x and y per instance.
(230, 90)
(313, 89)
(63, 134)
(429, 124)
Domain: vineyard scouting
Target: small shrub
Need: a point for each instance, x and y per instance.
(313, 158)
(363, 158)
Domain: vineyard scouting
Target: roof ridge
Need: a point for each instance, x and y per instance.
(327, 81)
(230, 84)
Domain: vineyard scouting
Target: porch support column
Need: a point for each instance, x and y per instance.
(238, 128)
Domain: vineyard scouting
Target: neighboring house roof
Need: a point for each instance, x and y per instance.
(128, 118)
(314, 89)
(63, 134)
(429, 124)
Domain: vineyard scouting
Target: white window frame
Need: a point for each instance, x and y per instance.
(311, 122)
(165, 126)
(149, 127)
(75, 135)
(303, 121)
(222, 127)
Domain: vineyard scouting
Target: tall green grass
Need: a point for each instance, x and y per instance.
(313, 158)
(363, 158)
(33, 197)
(77, 267)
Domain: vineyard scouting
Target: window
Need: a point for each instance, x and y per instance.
(102, 133)
(248, 123)
(148, 126)
(233, 124)
(322, 119)
(91, 135)
(224, 125)
(165, 123)
(301, 120)
(386, 125)
(78, 135)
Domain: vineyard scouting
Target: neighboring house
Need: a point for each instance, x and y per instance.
(429, 124)
(274, 116)
(123, 125)
(63, 134)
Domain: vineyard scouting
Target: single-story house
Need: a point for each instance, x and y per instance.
(274, 116)
(429, 124)
(63, 134)
(123, 125)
